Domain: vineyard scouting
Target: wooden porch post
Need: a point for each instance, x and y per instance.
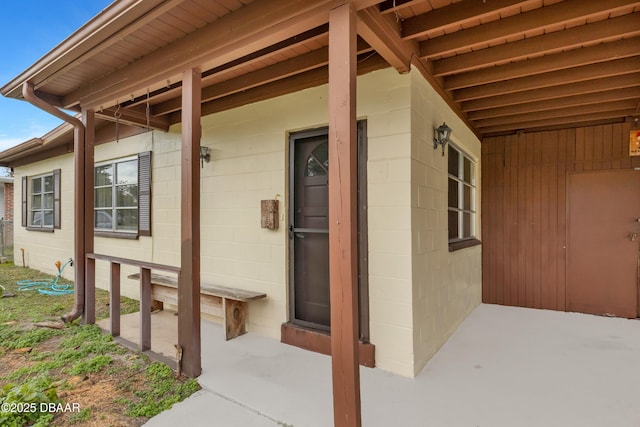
(189, 280)
(86, 210)
(343, 250)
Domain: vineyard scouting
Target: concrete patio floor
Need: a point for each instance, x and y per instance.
(504, 366)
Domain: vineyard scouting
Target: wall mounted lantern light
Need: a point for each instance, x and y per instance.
(443, 132)
(205, 155)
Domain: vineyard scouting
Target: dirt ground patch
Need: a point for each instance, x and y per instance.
(78, 374)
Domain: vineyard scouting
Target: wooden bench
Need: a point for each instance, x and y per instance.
(229, 303)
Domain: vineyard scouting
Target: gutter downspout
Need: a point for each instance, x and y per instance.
(79, 221)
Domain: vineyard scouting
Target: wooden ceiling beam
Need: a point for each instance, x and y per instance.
(134, 116)
(602, 107)
(392, 6)
(563, 122)
(578, 88)
(455, 14)
(554, 78)
(557, 103)
(383, 34)
(557, 61)
(316, 77)
(250, 28)
(485, 34)
(550, 43)
(280, 70)
(315, 34)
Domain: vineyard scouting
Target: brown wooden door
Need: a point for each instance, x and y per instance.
(602, 256)
(309, 230)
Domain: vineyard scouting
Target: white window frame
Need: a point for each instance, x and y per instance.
(459, 209)
(42, 193)
(113, 163)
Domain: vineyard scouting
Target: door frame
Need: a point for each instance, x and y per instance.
(363, 252)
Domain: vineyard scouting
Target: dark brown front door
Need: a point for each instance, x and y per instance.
(309, 230)
(602, 257)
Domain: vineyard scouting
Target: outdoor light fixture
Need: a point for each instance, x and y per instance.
(205, 156)
(443, 132)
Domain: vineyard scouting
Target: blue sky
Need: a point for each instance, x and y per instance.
(31, 28)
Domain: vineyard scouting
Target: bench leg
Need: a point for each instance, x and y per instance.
(235, 316)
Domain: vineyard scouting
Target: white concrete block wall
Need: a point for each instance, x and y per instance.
(447, 286)
(389, 220)
(42, 248)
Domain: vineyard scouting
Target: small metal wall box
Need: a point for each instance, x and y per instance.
(269, 214)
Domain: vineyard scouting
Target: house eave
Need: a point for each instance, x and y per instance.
(97, 30)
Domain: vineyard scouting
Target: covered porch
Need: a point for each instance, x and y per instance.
(504, 366)
(497, 68)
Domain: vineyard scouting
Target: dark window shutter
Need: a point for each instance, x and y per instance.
(24, 201)
(144, 193)
(56, 198)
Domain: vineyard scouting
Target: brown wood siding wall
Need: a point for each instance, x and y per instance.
(524, 184)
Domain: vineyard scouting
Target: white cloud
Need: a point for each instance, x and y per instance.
(6, 143)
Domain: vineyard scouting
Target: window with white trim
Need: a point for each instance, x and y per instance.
(122, 196)
(462, 196)
(41, 201)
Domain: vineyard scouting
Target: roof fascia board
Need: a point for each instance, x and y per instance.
(94, 36)
(250, 28)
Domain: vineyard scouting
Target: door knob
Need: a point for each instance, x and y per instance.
(633, 236)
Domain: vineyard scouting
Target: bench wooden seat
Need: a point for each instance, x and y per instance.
(229, 303)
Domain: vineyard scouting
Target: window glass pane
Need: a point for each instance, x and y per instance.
(127, 172)
(103, 197)
(127, 219)
(103, 219)
(48, 184)
(453, 193)
(48, 219)
(36, 202)
(468, 171)
(126, 196)
(314, 168)
(36, 185)
(322, 155)
(36, 219)
(104, 175)
(48, 201)
(453, 161)
(467, 198)
(466, 225)
(453, 225)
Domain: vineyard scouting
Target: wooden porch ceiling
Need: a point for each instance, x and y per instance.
(503, 65)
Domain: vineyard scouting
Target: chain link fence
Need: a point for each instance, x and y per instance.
(6, 239)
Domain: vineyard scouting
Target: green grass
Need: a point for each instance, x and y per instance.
(160, 392)
(51, 357)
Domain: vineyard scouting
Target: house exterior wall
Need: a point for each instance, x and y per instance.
(43, 248)
(525, 205)
(412, 309)
(446, 285)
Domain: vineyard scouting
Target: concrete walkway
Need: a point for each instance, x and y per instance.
(504, 366)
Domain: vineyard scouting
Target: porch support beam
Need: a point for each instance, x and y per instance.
(85, 211)
(383, 34)
(189, 279)
(343, 250)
